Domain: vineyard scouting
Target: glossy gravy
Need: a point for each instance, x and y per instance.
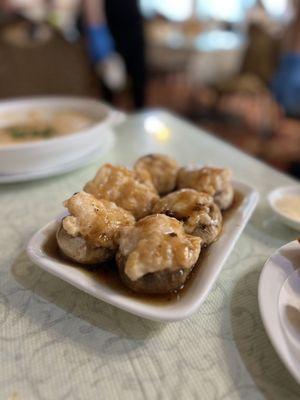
(108, 275)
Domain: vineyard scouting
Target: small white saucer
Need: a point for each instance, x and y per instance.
(97, 152)
(279, 193)
(279, 304)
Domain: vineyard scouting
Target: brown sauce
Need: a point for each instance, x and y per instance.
(107, 273)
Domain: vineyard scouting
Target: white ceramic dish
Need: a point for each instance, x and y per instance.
(198, 289)
(273, 298)
(49, 153)
(63, 168)
(276, 195)
(289, 308)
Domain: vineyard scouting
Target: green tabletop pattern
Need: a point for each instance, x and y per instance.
(60, 343)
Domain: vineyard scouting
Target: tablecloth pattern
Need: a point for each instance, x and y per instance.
(60, 343)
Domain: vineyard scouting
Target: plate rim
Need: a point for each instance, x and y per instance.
(264, 315)
(62, 168)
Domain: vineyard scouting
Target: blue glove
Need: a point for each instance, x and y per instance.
(286, 84)
(100, 42)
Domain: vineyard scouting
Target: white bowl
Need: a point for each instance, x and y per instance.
(49, 153)
(279, 193)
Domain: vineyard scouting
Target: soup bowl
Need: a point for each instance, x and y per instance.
(46, 153)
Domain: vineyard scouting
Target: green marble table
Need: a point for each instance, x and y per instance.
(59, 343)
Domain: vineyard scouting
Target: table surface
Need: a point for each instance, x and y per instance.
(60, 343)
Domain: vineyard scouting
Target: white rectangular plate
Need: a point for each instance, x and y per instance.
(199, 287)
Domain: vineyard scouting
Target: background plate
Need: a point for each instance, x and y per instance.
(63, 168)
(275, 272)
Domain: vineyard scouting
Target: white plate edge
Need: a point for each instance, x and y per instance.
(263, 313)
(59, 169)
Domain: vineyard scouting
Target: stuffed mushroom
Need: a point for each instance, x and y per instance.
(197, 210)
(159, 169)
(156, 255)
(89, 235)
(214, 181)
(124, 187)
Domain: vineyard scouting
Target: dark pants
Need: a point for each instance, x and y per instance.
(126, 25)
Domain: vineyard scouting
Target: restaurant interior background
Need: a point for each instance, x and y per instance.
(212, 62)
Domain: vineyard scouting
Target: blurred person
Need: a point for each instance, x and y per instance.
(116, 26)
(114, 33)
(101, 46)
(286, 82)
(264, 47)
(258, 110)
